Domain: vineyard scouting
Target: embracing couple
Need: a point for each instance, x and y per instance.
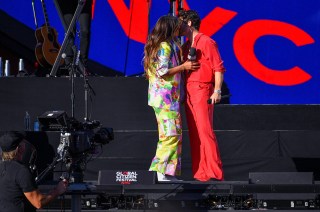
(177, 75)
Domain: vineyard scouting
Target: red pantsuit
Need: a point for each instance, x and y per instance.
(206, 162)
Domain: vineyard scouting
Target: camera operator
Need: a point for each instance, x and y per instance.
(16, 180)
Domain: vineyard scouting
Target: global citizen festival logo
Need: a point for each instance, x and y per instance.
(126, 177)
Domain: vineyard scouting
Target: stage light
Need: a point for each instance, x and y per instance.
(213, 201)
(152, 204)
(230, 202)
(123, 202)
(249, 202)
(139, 202)
(89, 203)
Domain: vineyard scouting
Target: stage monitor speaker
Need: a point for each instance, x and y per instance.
(126, 177)
(281, 178)
(54, 120)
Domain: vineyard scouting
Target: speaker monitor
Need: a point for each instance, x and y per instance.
(53, 120)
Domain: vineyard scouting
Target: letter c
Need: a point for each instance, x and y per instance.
(244, 41)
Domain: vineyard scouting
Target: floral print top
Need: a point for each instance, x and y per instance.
(164, 90)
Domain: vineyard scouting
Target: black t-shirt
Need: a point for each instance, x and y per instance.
(15, 179)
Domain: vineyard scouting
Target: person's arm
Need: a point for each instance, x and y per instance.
(216, 96)
(188, 65)
(217, 67)
(164, 59)
(38, 200)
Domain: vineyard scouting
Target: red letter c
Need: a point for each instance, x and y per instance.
(249, 33)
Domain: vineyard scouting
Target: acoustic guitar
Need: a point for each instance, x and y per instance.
(47, 47)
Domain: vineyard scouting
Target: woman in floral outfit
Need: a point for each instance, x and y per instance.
(163, 70)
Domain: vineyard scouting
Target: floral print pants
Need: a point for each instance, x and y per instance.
(168, 155)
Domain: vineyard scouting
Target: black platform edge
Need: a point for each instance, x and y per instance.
(204, 188)
(195, 196)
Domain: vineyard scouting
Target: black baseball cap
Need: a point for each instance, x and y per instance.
(10, 140)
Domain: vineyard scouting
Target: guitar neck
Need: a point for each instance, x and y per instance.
(45, 13)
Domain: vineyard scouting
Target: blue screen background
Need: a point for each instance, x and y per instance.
(111, 47)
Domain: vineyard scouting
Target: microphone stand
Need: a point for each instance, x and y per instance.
(172, 10)
(72, 73)
(65, 27)
(34, 14)
(75, 188)
(68, 35)
(87, 89)
(180, 5)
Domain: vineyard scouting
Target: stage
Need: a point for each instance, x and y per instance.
(252, 139)
(270, 152)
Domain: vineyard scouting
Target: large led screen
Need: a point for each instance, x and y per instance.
(270, 47)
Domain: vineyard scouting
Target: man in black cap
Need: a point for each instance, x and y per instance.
(16, 180)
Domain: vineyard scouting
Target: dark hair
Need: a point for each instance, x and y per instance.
(190, 15)
(166, 30)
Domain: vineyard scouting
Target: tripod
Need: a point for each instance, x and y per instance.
(73, 153)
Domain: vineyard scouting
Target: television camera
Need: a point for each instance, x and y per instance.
(78, 141)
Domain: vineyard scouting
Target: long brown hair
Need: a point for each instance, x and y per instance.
(165, 30)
